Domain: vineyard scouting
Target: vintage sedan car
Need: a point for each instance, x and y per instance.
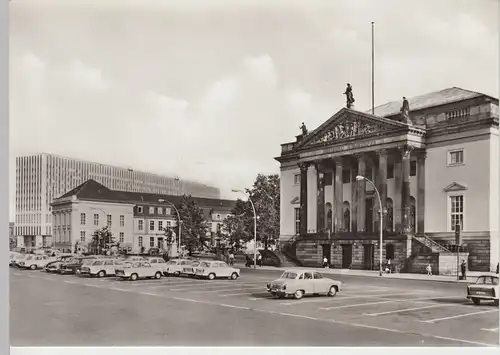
(16, 257)
(190, 270)
(34, 261)
(215, 269)
(158, 262)
(55, 265)
(174, 267)
(138, 269)
(485, 288)
(298, 283)
(100, 267)
(73, 265)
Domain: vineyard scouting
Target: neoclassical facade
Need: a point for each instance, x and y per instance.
(435, 171)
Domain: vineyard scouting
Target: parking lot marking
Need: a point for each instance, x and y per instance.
(92, 285)
(490, 330)
(458, 316)
(119, 289)
(213, 285)
(242, 288)
(370, 303)
(407, 310)
(328, 299)
(233, 306)
(236, 294)
(70, 282)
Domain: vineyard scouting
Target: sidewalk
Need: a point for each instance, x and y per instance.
(471, 275)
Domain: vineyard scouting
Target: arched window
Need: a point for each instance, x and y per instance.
(389, 215)
(389, 251)
(412, 214)
(346, 223)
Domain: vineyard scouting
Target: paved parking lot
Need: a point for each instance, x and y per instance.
(380, 314)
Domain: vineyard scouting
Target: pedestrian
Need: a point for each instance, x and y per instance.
(463, 268)
(259, 260)
(498, 265)
(429, 270)
(389, 270)
(325, 262)
(248, 261)
(231, 258)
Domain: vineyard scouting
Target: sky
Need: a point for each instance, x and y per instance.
(207, 91)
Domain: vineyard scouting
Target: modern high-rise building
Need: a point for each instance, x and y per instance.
(43, 177)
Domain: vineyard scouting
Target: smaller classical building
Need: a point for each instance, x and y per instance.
(137, 220)
(434, 162)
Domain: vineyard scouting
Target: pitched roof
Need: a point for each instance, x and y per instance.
(92, 190)
(432, 99)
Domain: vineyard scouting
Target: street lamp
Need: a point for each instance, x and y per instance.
(359, 178)
(254, 227)
(161, 200)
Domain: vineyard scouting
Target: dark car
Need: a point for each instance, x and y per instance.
(73, 266)
(54, 266)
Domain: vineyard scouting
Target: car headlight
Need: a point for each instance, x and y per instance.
(283, 287)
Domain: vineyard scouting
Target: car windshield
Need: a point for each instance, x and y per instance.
(487, 280)
(172, 262)
(98, 262)
(29, 257)
(288, 275)
(205, 264)
(88, 261)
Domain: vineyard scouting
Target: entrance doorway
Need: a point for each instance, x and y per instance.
(327, 252)
(346, 256)
(160, 243)
(369, 256)
(369, 215)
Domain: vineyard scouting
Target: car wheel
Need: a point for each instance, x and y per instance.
(177, 273)
(211, 276)
(134, 277)
(333, 291)
(158, 275)
(234, 275)
(496, 303)
(476, 301)
(101, 273)
(276, 296)
(33, 267)
(298, 294)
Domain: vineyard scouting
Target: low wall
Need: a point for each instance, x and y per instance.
(448, 263)
(308, 253)
(419, 264)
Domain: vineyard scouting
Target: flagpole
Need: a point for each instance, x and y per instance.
(373, 69)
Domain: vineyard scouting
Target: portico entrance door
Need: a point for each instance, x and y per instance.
(369, 256)
(346, 255)
(369, 215)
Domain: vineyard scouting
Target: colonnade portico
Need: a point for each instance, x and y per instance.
(375, 164)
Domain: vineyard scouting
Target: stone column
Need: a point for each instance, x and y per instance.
(361, 187)
(320, 212)
(405, 192)
(382, 185)
(338, 196)
(303, 197)
(420, 228)
(354, 199)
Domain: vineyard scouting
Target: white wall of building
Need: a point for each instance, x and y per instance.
(288, 192)
(494, 210)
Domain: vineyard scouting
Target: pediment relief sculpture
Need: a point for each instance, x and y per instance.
(349, 128)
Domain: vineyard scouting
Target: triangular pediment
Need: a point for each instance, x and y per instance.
(349, 123)
(455, 186)
(295, 201)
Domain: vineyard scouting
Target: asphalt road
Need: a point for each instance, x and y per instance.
(56, 310)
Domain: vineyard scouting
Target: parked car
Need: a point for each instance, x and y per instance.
(55, 265)
(100, 267)
(138, 269)
(174, 267)
(485, 288)
(14, 257)
(215, 269)
(158, 262)
(15, 262)
(135, 258)
(74, 265)
(35, 261)
(190, 270)
(298, 283)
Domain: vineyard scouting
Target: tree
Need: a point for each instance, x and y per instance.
(194, 227)
(233, 232)
(102, 238)
(265, 195)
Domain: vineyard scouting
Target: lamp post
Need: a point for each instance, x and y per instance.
(161, 200)
(98, 235)
(359, 178)
(254, 227)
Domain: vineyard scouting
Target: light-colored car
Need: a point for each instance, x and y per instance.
(190, 270)
(215, 269)
(138, 270)
(101, 267)
(54, 266)
(135, 258)
(174, 267)
(485, 288)
(15, 256)
(298, 283)
(158, 262)
(35, 261)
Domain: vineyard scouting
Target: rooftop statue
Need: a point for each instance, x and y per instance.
(349, 96)
(405, 111)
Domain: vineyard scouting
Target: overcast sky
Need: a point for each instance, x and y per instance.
(209, 93)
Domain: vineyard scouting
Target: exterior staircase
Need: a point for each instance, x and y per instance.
(288, 252)
(429, 243)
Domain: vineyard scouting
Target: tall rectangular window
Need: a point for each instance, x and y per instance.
(296, 179)
(456, 157)
(390, 170)
(151, 210)
(413, 168)
(122, 237)
(160, 225)
(139, 241)
(96, 219)
(151, 225)
(122, 221)
(160, 210)
(82, 218)
(151, 242)
(297, 220)
(82, 236)
(141, 225)
(109, 220)
(457, 211)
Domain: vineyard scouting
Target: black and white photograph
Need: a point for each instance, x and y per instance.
(188, 173)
